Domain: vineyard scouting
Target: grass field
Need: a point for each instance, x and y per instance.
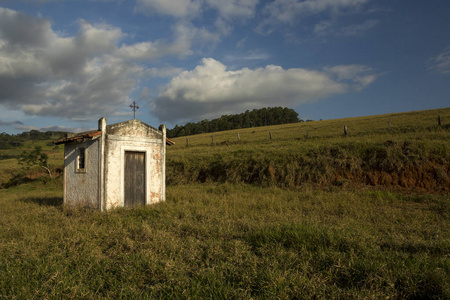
(413, 154)
(226, 234)
(227, 241)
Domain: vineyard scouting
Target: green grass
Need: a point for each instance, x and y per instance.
(10, 167)
(227, 241)
(288, 218)
(412, 125)
(414, 153)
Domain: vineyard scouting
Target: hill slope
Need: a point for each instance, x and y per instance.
(406, 150)
(240, 241)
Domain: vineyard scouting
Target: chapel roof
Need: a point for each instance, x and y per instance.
(92, 134)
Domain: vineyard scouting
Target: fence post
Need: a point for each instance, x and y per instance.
(238, 137)
(345, 129)
(187, 142)
(270, 135)
(439, 120)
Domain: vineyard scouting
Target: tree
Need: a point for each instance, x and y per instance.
(256, 117)
(35, 158)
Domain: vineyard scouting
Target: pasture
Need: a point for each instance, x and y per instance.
(310, 213)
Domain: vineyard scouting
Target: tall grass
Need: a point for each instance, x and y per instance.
(413, 154)
(255, 219)
(227, 241)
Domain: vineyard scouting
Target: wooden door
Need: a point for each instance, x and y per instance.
(134, 178)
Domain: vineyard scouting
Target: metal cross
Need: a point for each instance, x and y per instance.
(134, 107)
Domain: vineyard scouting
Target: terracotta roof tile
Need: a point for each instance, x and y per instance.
(169, 142)
(79, 137)
(89, 135)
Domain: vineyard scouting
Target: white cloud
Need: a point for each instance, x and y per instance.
(287, 11)
(66, 76)
(210, 90)
(99, 91)
(175, 8)
(357, 76)
(324, 27)
(290, 12)
(331, 27)
(242, 9)
(166, 72)
(228, 9)
(185, 36)
(249, 55)
(441, 63)
(358, 29)
(81, 76)
(227, 12)
(20, 30)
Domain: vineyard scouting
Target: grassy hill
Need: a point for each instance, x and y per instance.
(407, 150)
(9, 167)
(292, 217)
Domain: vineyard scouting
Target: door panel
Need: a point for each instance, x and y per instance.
(134, 178)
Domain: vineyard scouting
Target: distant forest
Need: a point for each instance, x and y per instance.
(257, 117)
(8, 141)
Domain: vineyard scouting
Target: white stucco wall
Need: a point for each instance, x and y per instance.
(133, 136)
(101, 184)
(81, 187)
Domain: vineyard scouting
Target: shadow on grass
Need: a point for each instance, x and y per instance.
(47, 201)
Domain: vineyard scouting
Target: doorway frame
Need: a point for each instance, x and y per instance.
(130, 148)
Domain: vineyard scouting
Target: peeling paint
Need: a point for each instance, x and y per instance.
(134, 135)
(81, 187)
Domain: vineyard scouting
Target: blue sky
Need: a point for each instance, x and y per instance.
(66, 63)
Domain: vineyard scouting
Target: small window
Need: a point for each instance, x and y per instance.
(81, 160)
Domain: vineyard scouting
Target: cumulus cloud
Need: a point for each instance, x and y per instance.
(210, 90)
(185, 35)
(441, 62)
(186, 10)
(81, 76)
(65, 76)
(166, 72)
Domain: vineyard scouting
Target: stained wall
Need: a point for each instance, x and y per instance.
(81, 187)
(133, 136)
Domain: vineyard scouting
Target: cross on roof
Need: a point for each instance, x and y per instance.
(134, 107)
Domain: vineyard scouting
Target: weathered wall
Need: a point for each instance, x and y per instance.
(133, 128)
(81, 187)
(135, 136)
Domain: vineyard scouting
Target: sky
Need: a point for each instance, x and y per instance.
(66, 63)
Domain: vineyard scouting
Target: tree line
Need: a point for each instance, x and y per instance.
(255, 118)
(8, 141)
